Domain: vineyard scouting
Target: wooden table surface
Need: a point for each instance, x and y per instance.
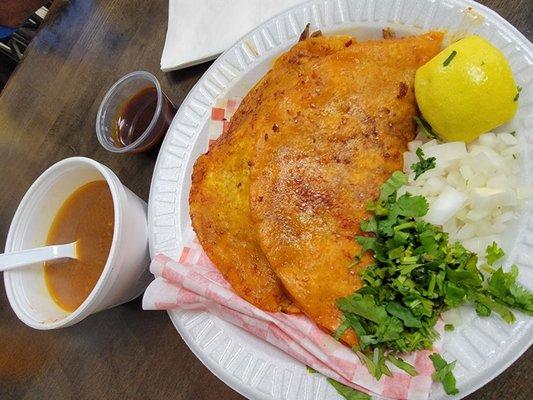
(47, 113)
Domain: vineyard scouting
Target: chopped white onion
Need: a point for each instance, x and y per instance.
(448, 202)
(452, 316)
(479, 244)
(415, 144)
(446, 151)
(508, 139)
(466, 232)
(474, 190)
(524, 193)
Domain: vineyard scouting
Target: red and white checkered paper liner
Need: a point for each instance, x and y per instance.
(192, 282)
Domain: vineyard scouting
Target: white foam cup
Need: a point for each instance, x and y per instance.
(125, 274)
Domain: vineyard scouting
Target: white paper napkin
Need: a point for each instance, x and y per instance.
(199, 30)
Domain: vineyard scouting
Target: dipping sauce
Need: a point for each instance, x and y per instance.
(136, 114)
(86, 217)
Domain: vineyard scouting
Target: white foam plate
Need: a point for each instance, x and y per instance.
(483, 347)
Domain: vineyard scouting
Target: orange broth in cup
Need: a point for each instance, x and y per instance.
(86, 217)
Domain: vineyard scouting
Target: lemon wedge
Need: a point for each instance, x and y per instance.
(466, 90)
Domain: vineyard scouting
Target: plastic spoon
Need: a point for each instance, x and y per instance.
(25, 257)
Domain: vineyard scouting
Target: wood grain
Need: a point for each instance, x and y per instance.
(47, 113)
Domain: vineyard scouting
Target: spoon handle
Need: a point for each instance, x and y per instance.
(22, 258)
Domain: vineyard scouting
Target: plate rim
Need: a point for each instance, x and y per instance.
(502, 25)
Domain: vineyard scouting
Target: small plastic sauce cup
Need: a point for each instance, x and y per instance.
(115, 99)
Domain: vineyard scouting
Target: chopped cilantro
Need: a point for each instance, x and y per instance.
(347, 392)
(379, 361)
(449, 58)
(423, 164)
(367, 362)
(518, 90)
(391, 186)
(363, 306)
(443, 373)
(341, 329)
(493, 253)
(425, 127)
(310, 370)
(418, 274)
(449, 327)
(513, 133)
(398, 362)
(504, 289)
